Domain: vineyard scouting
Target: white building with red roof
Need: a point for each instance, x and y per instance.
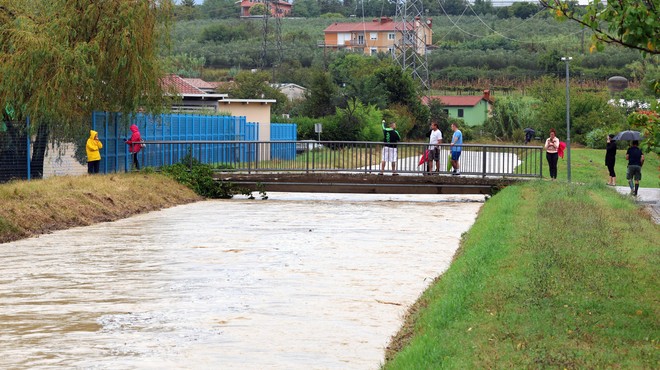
(192, 98)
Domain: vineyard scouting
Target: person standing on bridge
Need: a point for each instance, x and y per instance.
(390, 138)
(456, 147)
(435, 139)
(552, 153)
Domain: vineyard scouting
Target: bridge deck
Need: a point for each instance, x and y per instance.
(367, 183)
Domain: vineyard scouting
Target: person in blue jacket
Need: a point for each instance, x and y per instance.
(456, 147)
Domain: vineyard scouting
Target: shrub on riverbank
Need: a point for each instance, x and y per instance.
(40, 206)
(550, 275)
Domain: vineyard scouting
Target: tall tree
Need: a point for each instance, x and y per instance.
(321, 96)
(634, 24)
(62, 59)
(254, 85)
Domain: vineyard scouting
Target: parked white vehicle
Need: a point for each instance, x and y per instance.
(307, 145)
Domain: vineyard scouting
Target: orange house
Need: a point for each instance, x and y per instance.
(278, 9)
(379, 36)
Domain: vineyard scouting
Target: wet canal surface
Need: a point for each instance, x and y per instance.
(300, 281)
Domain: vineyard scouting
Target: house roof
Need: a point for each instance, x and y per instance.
(174, 83)
(199, 83)
(287, 85)
(455, 101)
(179, 85)
(384, 24)
(247, 101)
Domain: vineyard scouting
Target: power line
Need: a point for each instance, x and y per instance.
(494, 32)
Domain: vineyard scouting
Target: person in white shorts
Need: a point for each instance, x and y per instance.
(435, 139)
(390, 138)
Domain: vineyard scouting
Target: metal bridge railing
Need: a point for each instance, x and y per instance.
(341, 157)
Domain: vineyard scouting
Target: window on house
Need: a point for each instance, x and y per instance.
(460, 113)
(373, 35)
(390, 50)
(373, 51)
(446, 111)
(390, 36)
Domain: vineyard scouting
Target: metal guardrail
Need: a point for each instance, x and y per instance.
(341, 157)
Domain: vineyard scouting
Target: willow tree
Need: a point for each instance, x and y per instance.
(634, 24)
(62, 59)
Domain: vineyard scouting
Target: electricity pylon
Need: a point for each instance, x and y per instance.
(266, 32)
(411, 40)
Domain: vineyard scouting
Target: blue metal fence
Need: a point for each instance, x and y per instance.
(113, 131)
(283, 132)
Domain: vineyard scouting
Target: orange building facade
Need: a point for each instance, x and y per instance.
(379, 36)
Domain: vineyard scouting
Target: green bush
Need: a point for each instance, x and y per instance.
(518, 135)
(199, 177)
(596, 139)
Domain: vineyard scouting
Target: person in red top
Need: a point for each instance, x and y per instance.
(135, 145)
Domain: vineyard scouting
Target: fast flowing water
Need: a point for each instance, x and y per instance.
(299, 281)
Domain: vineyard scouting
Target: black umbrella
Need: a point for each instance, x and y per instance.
(529, 130)
(628, 135)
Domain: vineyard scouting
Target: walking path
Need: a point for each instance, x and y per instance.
(649, 197)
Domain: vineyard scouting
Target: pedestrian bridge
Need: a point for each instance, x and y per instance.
(351, 167)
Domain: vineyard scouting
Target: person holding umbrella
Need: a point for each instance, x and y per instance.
(610, 159)
(529, 134)
(635, 159)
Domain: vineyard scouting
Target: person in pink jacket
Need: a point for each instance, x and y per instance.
(135, 145)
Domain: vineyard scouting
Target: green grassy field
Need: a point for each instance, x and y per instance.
(551, 275)
(588, 166)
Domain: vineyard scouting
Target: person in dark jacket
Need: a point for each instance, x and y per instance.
(635, 159)
(135, 145)
(610, 158)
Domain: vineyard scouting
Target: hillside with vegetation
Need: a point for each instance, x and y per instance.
(515, 52)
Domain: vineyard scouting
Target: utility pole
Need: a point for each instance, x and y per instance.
(272, 4)
(568, 121)
(264, 41)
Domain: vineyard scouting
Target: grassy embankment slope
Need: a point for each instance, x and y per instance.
(551, 275)
(40, 206)
(588, 166)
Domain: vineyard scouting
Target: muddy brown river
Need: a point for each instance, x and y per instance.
(299, 281)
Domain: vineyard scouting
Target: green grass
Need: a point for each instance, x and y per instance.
(588, 166)
(551, 275)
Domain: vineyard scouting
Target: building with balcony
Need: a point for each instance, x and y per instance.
(379, 36)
